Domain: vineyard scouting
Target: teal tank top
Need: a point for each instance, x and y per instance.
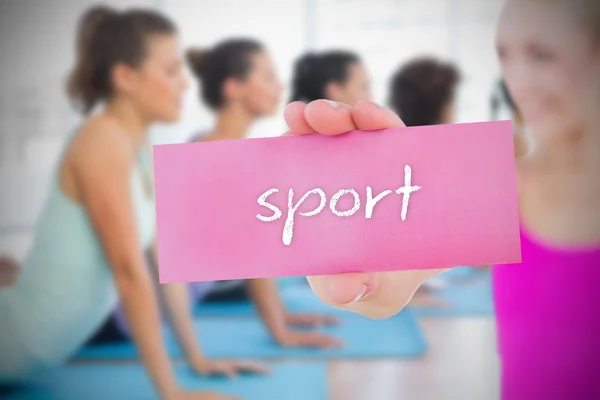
(66, 288)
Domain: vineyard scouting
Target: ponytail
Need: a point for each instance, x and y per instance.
(313, 72)
(105, 38)
(231, 58)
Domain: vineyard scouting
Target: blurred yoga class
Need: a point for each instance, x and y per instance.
(300, 199)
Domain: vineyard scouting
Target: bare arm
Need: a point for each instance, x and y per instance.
(265, 295)
(177, 307)
(176, 301)
(103, 186)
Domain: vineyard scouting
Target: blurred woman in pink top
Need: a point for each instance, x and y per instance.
(548, 306)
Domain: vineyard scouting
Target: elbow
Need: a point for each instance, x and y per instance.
(128, 275)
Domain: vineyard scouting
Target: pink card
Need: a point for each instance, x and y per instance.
(397, 199)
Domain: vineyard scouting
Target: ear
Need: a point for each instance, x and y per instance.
(232, 89)
(448, 113)
(334, 91)
(124, 78)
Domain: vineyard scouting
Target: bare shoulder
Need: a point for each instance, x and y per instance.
(100, 147)
(101, 139)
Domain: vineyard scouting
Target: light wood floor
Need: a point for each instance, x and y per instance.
(461, 364)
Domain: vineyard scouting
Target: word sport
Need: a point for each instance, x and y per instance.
(288, 228)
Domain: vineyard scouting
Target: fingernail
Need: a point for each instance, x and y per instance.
(380, 106)
(333, 104)
(361, 295)
(370, 102)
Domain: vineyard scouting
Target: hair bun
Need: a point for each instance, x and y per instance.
(196, 59)
(307, 63)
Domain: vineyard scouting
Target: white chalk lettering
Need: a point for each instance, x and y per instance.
(336, 197)
(372, 201)
(406, 190)
(288, 228)
(262, 200)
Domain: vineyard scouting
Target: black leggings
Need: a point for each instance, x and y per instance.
(108, 333)
(230, 294)
(7, 389)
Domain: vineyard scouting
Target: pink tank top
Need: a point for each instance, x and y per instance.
(548, 318)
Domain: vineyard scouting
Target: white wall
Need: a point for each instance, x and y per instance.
(36, 52)
(388, 33)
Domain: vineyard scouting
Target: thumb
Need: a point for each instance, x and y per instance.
(374, 295)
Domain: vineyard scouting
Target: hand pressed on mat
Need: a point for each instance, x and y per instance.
(230, 369)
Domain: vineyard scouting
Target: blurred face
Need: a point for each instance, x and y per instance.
(157, 86)
(356, 87)
(550, 64)
(260, 91)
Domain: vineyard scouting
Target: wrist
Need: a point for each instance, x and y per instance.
(280, 334)
(287, 315)
(171, 391)
(196, 358)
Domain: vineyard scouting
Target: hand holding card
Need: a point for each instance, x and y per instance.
(397, 200)
(375, 295)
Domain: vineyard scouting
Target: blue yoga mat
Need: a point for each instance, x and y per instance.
(469, 298)
(290, 381)
(287, 281)
(461, 274)
(246, 337)
(296, 297)
(455, 286)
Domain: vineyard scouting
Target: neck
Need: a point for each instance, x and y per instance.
(233, 122)
(578, 152)
(134, 123)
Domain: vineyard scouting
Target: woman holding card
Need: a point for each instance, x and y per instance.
(98, 219)
(548, 322)
(239, 83)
